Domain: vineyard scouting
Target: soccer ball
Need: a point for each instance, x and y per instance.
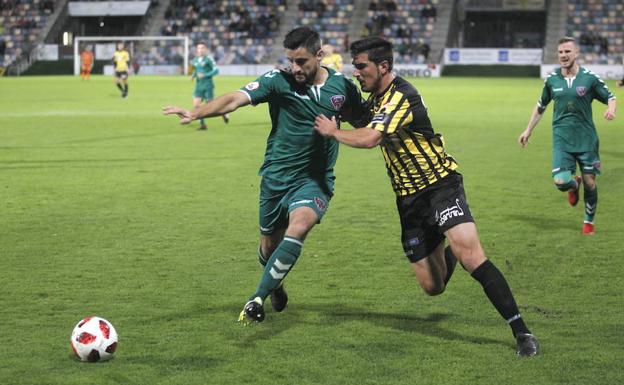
(94, 339)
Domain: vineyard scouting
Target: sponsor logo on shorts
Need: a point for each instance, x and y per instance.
(581, 91)
(252, 86)
(412, 242)
(337, 101)
(320, 204)
(448, 213)
(597, 165)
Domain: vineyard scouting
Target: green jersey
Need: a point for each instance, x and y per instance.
(573, 125)
(295, 151)
(205, 68)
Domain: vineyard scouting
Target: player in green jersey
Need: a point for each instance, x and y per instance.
(204, 69)
(575, 140)
(298, 169)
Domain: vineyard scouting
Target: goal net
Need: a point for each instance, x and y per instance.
(149, 55)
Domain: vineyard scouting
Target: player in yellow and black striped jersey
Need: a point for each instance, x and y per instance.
(121, 61)
(430, 196)
(414, 154)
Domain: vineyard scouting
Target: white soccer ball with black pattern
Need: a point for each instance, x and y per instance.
(94, 339)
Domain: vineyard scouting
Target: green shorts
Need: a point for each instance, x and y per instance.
(278, 199)
(589, 162)
(204, 91)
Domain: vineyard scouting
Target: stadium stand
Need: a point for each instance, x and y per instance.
(597, 26)
(236, 31)
(408, 23)
(21, 22)
(331, 18)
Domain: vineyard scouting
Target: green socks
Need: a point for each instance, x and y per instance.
(591, 201)
(277, 267)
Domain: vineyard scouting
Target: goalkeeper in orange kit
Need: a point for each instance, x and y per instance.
(86, 63)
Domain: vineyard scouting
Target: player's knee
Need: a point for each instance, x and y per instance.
(563, 180)
(432, 289)
(299, 228)
(470, 256)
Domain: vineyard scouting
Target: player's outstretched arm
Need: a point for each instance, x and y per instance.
(536, 115)
(610, 112)
(220, 106)
(360, 138)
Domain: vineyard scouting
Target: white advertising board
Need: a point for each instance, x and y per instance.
(607, 72)
(502, 56)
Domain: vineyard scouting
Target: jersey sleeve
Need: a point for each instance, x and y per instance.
(356, 111)
(546, 97)
(601, 91)
(392, 115)
(261, 89)
(211, 68)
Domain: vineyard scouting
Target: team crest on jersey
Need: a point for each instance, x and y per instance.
(581, 91)
(337, 101)
(252, 86)
(320, 204)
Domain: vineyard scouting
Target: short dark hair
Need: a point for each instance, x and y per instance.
(567, 39)
(201, 42)
(378, 49)
(303, 37)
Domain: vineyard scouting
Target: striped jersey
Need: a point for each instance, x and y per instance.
(414, 154)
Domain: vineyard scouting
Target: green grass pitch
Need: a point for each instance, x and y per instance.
(110, 209)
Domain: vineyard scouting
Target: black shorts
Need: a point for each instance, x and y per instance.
(121, 74)
(428, 214)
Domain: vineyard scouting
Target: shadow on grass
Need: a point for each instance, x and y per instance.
(335, 314)
(545, 222)
(116, 137)
(427, 325)
(179, 363)
(84, 163)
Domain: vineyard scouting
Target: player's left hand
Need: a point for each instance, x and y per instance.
(325, 126)
(609, 115)
(184, 115)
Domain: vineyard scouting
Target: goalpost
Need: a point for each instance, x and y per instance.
(184, 40)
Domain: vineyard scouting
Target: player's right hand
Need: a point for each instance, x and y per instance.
(184, 115)
(523, 140)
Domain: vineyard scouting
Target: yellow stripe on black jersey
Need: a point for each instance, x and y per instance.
(414, 154)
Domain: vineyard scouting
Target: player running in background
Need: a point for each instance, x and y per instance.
(331, 59)
(575, 140)
(429, 191)
(204, 69)
(86, 63)
(298, 170)
(121, 61)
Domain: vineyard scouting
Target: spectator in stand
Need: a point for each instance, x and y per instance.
(320, 8)
(390, 6)
(429, 12)
(423, 49)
